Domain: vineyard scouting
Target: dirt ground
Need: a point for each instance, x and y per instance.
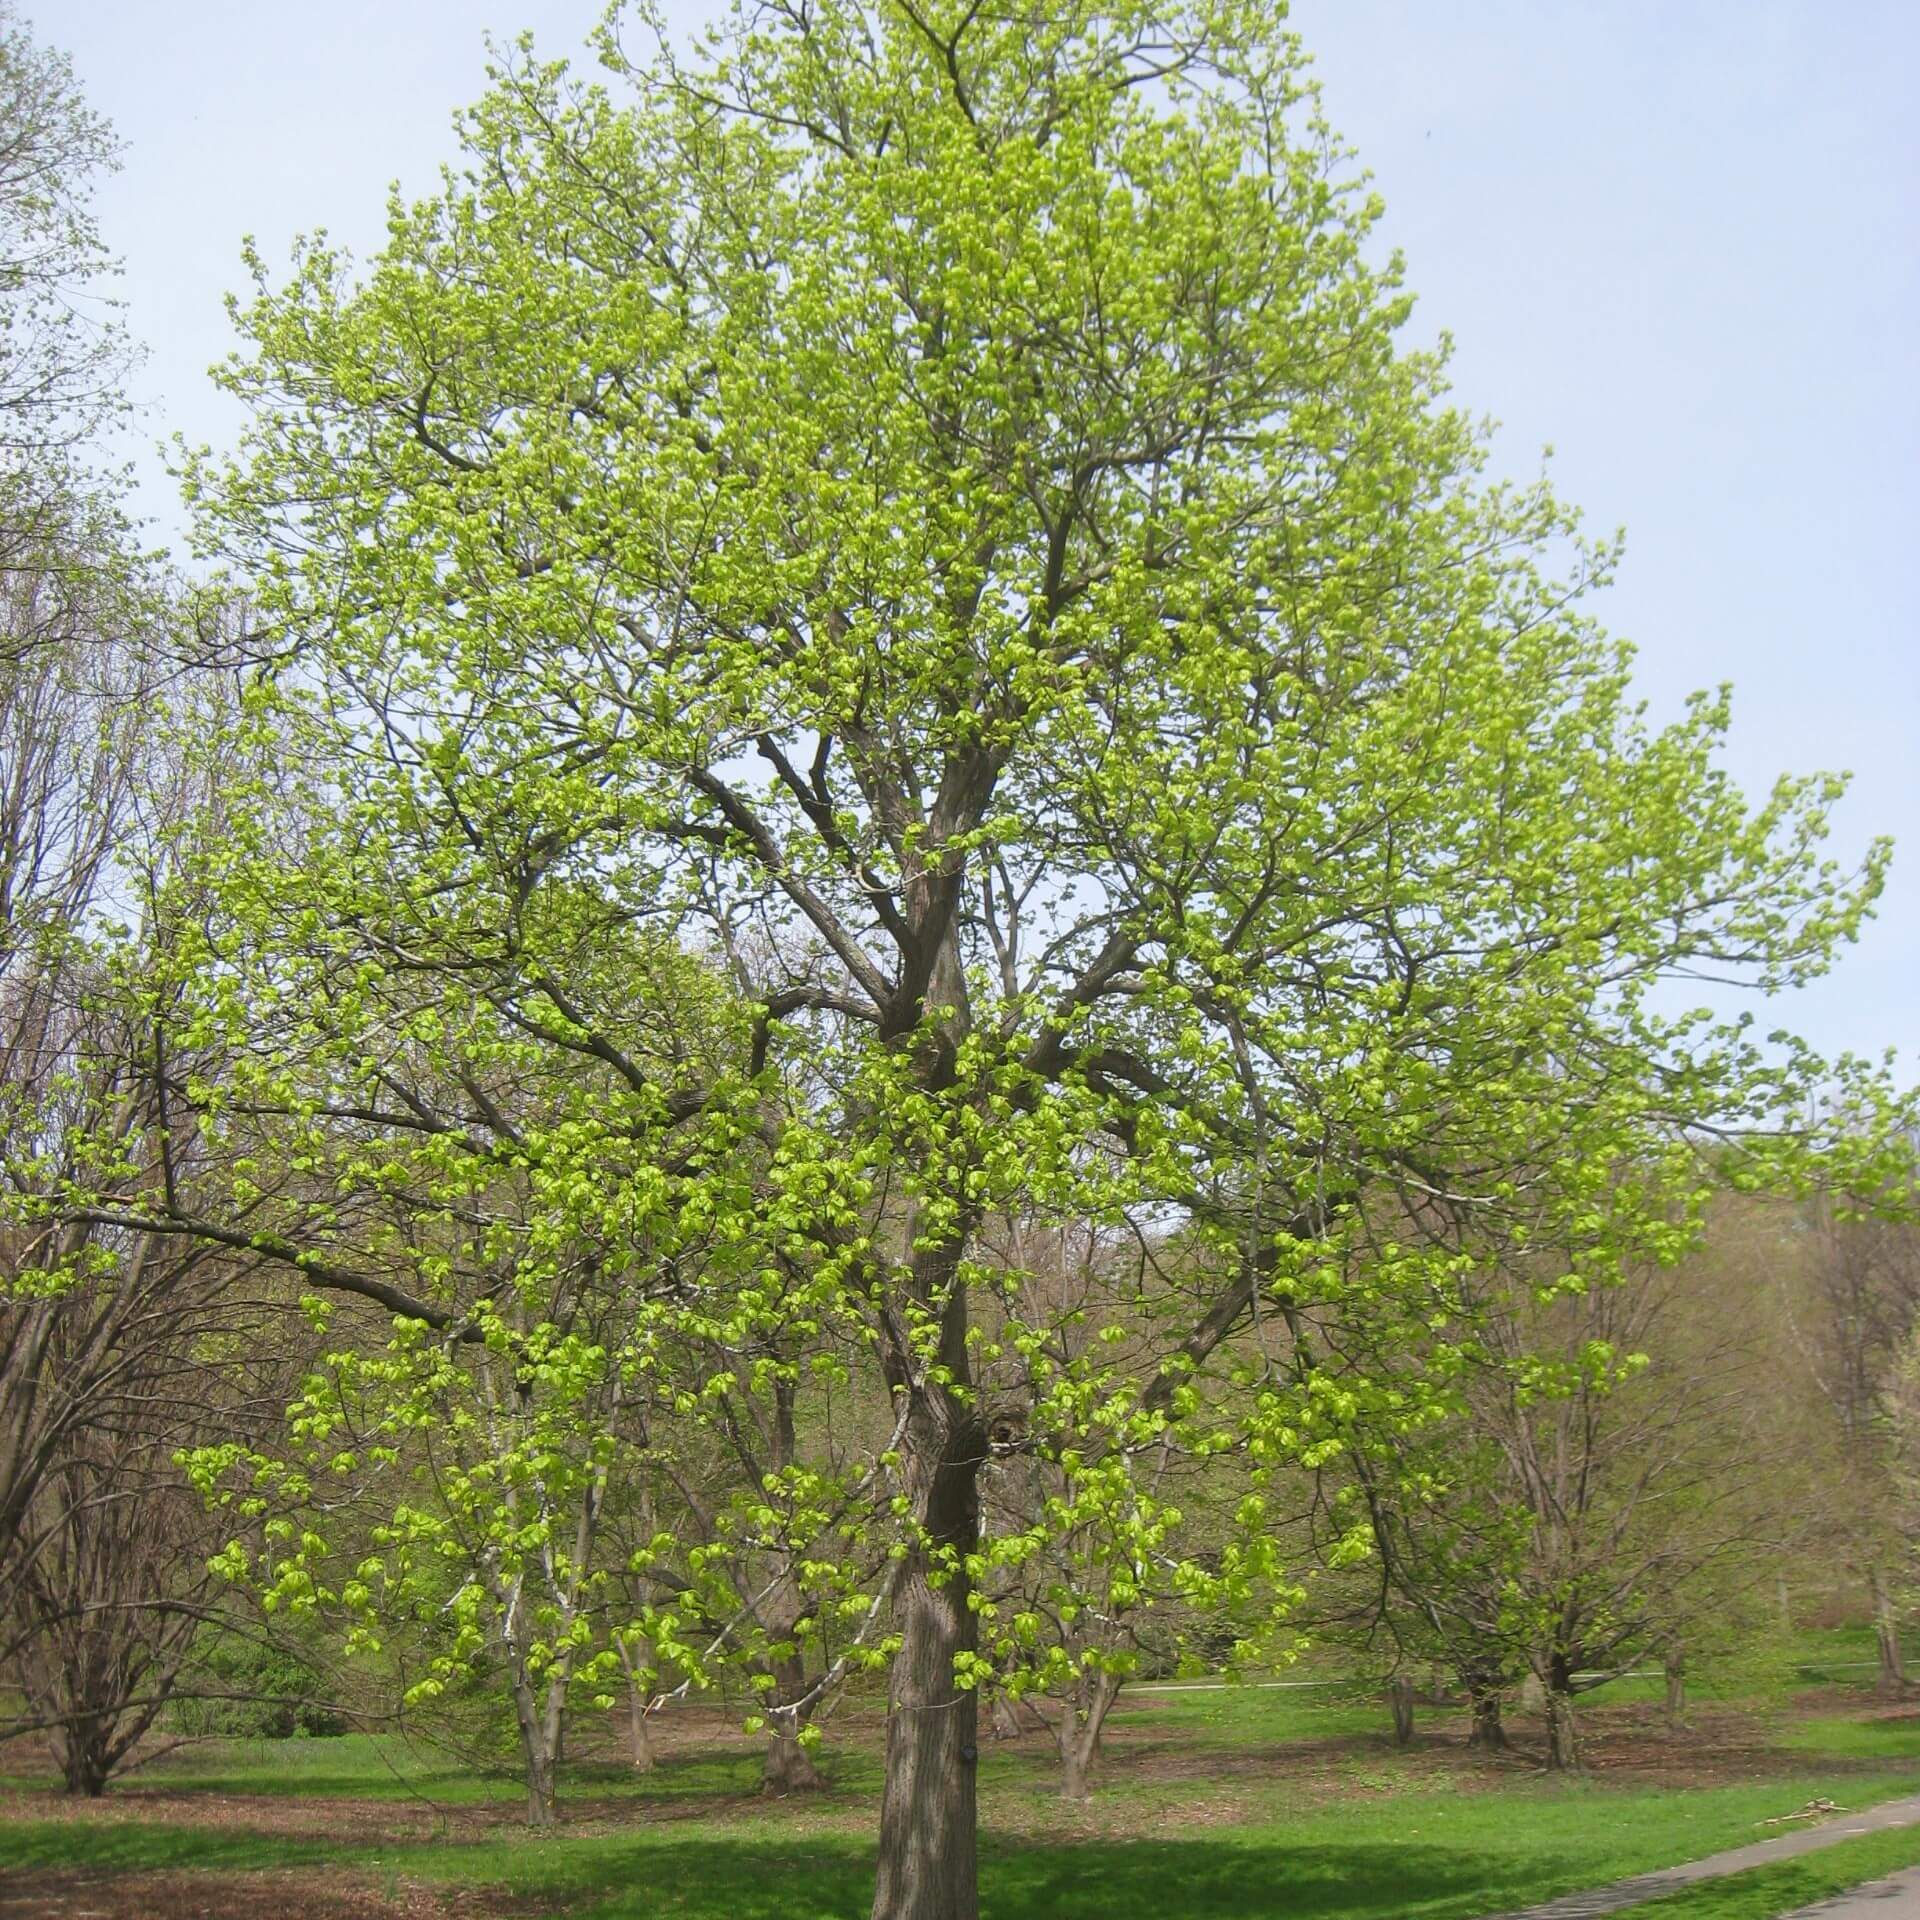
(305, 1895)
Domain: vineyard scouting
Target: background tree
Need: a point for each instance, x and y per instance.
(81, 626)
(1857, 1326)
(62, 354)
(1604, 1482)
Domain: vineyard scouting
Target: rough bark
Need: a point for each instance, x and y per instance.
(928, 1863)
(80, 1752)
(1400, 1701)
(1563, 1740)
(1487, 1731)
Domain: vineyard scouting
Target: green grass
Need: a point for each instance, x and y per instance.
(1762, 1893)
(1243, 1716)
(1435, 1855)
(147, 1846)
(1202, 1817)
(1850, 1739)
(376, 1767)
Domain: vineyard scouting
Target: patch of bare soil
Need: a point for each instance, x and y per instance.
(1718, 1746)
(76, 1894)
(351, 1822)
(1630, 1743)
(1857, 1701)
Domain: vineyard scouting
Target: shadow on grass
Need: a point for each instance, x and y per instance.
(1136, 1880)
(723, 1875)
(633, 1877)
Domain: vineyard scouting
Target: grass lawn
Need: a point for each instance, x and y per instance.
(1268, 1804)
(1443, 1855)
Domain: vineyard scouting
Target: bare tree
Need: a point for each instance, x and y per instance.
(109, 1601)
(61, 351)
(1866, 1307)
(1608, 1480)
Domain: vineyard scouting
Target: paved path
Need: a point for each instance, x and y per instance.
(1782, 1846)
(1895, 1898)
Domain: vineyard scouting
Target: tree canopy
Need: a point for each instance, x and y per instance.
(872, 631)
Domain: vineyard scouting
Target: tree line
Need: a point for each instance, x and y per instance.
(876, 931)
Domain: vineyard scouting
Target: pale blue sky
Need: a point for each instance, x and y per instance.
(1678, 239)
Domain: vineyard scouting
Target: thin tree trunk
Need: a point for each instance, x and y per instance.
(1400, 1701)
(536, 1752)
(1891, 1681)
(1675, 1666)
(639, 1736)
(928, 1859)
(1563, 1740)
(1082, 1721)
(640, 1739)
(540, 1791)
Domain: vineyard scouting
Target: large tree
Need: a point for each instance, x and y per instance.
(927, 505)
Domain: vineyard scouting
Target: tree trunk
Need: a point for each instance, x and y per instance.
(1786, 1606)
(928, 1861)
(1563, 1741)
(536, 1751)
(77, 1750)
(789, 1766)
(1082, 1721)
(641, 1751)
(1006, 1719)
(1533, 1696)
(1891, 1682)
(1487, 1732)
(637, 1671)
(540, 1794)
(1676, 1671)
(1400, 1700)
